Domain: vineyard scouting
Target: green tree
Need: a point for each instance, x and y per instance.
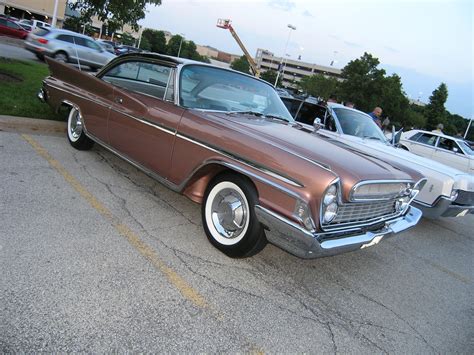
(127, 39)
(319, 86)
(156, 40)
(144, 44)
(435, 111)
(362, 80)
(115, 13)
(241, 64)
(270, 76)
(172, 48)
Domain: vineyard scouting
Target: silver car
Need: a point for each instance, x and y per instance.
(67, 46)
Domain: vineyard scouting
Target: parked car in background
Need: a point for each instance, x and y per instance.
(67, 46)
(9, 27)
(26, 27)
(225, 140)
(448, 150)
(34, 23)
(448, 192)
(107, 46)
(124, 49)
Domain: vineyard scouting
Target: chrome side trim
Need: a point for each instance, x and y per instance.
(242, 161)
(180, 187)
(79, 96)
(146, 122)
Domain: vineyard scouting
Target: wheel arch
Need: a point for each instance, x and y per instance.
(196, 185)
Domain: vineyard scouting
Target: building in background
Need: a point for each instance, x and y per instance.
(292, 70)
(34, 9)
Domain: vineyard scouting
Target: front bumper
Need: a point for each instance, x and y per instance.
(304, 244)
(445, 207)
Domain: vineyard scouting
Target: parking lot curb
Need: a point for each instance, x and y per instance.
(31, 125)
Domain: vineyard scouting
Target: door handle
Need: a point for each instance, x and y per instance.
(118, 100)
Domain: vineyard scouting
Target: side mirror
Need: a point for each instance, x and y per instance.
(396, 137)
(455, 150)
(317, 124)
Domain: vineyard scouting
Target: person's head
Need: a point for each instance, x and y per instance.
(349, 104)
(332, 98)
(440, 126)
(377, 111)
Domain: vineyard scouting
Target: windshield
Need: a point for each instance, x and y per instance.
(208, 88)
(466, 147)
(358, 124)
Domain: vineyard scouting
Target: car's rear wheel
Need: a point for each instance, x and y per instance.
(229, 218)
(75, 131)
(61, 57)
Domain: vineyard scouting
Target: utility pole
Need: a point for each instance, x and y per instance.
(55, 13)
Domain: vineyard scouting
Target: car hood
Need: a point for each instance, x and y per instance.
(294, 139)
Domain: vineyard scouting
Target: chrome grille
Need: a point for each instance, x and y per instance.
(362, 212)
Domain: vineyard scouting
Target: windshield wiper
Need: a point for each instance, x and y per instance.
(255, 113)
(277, 118)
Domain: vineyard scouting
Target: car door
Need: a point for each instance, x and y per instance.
(80, 50)
(95, 54)
(15, 29)
(424, 145)
(448, 152)
(143, 120)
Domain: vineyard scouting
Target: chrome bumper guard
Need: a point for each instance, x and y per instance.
(304, 244)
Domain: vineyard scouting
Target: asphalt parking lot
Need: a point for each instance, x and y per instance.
(98, 257)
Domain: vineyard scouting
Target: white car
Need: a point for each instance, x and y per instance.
(448, 192)
(437, 146)
(34, 23)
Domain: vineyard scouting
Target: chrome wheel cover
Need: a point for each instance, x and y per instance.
(227, 213)
(75, 127)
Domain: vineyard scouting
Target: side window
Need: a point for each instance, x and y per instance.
(65, 38)
(415, 136)
(3, 21)
(13, 25)
(79, 41)
(309, 112)
(426, 138)
(143, 77)
(330, 123)
(449, 144)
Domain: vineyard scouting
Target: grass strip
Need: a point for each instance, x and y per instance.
(19, 84)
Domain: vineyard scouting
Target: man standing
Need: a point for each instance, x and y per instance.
(375, 114)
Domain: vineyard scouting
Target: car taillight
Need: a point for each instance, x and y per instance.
(42, 40)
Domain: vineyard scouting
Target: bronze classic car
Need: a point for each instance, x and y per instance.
(225, 140)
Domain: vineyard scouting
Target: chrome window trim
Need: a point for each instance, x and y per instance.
(375, 182)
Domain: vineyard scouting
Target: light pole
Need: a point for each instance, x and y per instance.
(55, 14)
(180, 43)
(284, 67)
(292, 28)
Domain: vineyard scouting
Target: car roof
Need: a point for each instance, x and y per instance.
(66, 32)
(184, 61)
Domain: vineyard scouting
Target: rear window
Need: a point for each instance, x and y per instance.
(41, 31)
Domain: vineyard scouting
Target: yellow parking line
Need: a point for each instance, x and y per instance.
(177, 281)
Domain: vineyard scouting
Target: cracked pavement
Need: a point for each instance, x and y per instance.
(69, 282)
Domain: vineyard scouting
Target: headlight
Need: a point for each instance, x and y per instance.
(330, 212)
(302, 213)
(402, 203)
(329, 204)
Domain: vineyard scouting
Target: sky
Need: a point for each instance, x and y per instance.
(425, 42)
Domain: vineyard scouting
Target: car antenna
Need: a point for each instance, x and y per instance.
(77, 55)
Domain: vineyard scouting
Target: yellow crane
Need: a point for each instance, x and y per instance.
(226, 24)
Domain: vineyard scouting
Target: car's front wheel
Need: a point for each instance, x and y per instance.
(75, 131)
(229, 218)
